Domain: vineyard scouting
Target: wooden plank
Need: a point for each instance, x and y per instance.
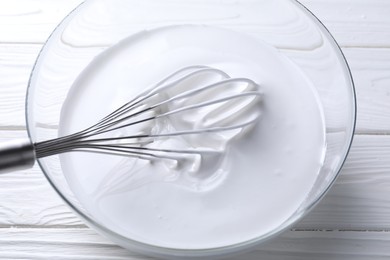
(359, 199)
(371, 73)
(353, 22)
(83, 244)
(31, 21)
(16, 62)
(370, 68)
(27, 199)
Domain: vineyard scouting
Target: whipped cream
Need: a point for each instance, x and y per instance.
(259, 175)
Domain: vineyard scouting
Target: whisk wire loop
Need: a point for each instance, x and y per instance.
(166, 99)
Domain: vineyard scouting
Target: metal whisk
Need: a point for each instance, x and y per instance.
(201, 90)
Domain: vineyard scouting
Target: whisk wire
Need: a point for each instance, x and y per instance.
(155, 101)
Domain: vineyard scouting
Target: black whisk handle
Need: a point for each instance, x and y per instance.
(16, 155)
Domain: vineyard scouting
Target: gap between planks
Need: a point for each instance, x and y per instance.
(292, 245)
(370, 69)
(357, 201)
(353, 23)
(79, 226)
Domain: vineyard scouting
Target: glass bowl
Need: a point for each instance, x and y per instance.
(96, 25)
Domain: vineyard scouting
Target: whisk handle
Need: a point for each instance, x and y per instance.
(16, 155)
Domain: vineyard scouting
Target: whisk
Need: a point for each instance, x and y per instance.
(195, 90)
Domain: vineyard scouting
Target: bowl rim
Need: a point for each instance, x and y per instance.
(160, 251)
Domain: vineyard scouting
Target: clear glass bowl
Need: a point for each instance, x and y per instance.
(98, 24)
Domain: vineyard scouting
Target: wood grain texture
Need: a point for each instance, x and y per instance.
(27, 199)
(371, 72)
(355, 23)
(370, 69)
(16, 62)
(84, 244)
(359, 200)
(36, 224)
(369, 66)
(31, 21)
(360, 197)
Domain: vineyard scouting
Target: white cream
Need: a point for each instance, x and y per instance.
(262, 175)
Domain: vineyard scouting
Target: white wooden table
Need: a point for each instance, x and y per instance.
(353, 220)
